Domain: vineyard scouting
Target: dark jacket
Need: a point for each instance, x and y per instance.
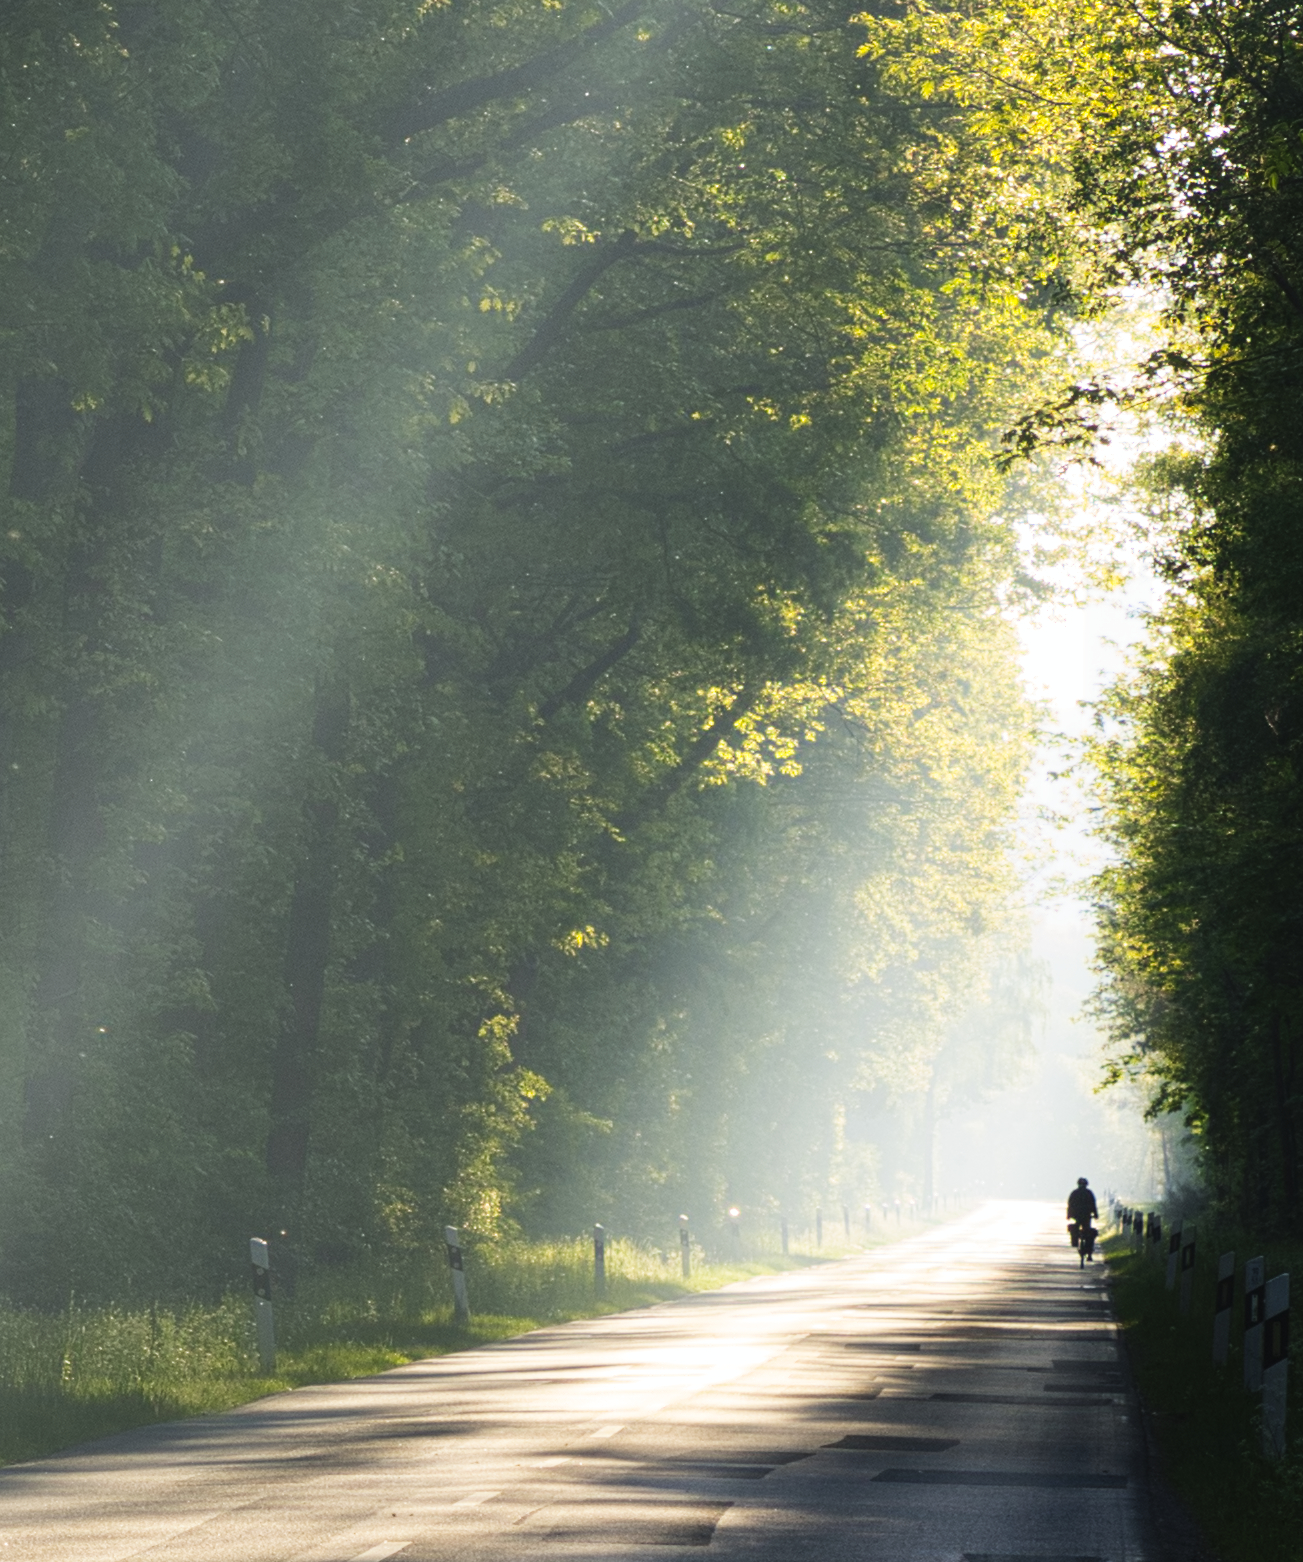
(1081, 1205)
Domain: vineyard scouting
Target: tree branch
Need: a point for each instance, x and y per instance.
(438, 105)
(697, 753)
(654, 311)
(586, 278)
(585, 680)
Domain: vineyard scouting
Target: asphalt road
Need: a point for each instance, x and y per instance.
(958, 1395)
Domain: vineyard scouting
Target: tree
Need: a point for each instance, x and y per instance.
(461, 458)
(1175, 132)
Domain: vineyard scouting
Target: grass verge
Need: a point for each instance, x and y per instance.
(1206, 1428)
(70, 1377)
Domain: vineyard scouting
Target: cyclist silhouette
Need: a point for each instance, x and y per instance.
(1082, 1209)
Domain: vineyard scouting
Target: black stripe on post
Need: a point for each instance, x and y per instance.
(1275, 1340)
(261, 1272)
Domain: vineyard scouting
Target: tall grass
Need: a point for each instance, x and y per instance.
(534, 1281)
(83, 1373)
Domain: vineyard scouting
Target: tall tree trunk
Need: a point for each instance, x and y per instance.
(307, 951)
(82, 765)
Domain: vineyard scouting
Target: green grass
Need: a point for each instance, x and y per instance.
(1206, 1427)
(86, 1372)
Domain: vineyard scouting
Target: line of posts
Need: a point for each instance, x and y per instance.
(1265, 1311)
(261, 1264)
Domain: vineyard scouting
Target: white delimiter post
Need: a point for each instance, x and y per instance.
(1255, 1272)
(461, 1308)
(1223, 1307)
(1275, 1365)
(1173, 1256)
(265, 1323)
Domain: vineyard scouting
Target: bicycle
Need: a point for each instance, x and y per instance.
(1085, 1244)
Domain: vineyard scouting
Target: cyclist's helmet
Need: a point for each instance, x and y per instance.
(1082, 1183)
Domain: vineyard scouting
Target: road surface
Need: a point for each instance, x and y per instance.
(956, 1396)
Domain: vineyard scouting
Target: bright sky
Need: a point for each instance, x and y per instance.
(1037, 1138)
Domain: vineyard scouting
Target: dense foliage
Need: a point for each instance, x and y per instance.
(506, 710)
(1176, 133)
(1201, 918)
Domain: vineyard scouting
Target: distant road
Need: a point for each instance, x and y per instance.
(955, 1396)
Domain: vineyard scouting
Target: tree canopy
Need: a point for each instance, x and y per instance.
(508, 712)
(1174, 134)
